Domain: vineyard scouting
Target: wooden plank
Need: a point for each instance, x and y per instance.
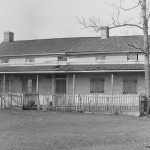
(74, 77)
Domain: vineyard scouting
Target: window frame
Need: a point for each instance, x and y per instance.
(97, 79)
(4, 60)
(101, 58)
(62, 58)
(30, 59)
(29, 85)
(130, 81)
(131, 59)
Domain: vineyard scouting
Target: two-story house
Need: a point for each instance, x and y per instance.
(84, 65)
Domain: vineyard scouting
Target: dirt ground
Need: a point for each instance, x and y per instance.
(39, 130)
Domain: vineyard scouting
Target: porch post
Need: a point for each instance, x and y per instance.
(112, 83)
(4, 83)
(37, 91)
(37, 83)
(74, 77)
(53, 84)
(67, 84)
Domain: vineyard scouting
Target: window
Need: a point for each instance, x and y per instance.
(132, 57)
(30, 59)
(29, 85)
(97, 86)
(4, 60)
(101, 57)
(129, 86)
(62, 58)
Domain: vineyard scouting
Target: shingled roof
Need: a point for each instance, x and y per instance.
(72, 68)
(70, 45)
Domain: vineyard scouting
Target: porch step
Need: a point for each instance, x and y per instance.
(29, 108)
(15, 108)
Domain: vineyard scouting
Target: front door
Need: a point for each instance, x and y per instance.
(60, 91)
(61, 86)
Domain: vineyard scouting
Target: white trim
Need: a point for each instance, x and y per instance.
(101, 71)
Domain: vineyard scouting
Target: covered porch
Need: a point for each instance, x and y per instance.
(100, 92)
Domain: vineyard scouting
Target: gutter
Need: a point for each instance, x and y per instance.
(52, 72)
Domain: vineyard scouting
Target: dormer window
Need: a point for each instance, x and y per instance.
(100, 57)
(132, 57)
(62, 58)
(30, 59)
(5, 60)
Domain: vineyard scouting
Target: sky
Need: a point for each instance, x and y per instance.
(44, 19)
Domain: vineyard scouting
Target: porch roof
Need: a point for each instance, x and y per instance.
(73, 68)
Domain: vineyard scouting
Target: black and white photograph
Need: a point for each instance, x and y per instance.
(74, 75)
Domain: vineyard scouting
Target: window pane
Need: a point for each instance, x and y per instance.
(29, 85)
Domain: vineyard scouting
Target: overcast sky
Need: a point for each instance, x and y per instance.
(42, 19)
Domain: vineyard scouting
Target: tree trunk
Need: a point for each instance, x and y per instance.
(146, 49)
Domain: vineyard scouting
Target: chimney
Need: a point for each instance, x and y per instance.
(104, 32)
(8, 37)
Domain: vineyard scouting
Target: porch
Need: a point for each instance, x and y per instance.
(85, 92)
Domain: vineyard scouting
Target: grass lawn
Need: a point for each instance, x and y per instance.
(39, 130)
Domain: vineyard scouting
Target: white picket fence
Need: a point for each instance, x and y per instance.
(91, 103)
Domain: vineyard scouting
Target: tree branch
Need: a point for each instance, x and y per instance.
(135, 46)
(126, 9)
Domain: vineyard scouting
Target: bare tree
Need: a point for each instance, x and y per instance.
(143, 6)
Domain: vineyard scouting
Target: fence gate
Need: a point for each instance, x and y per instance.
(30, 101)
(13, 100)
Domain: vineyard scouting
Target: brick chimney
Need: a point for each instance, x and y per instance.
(104, 32)
(8, 37)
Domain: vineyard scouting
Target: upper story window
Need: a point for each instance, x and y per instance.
(100, 57)
(132, 57)
(30, 59)
(62, 58)
(4, 60)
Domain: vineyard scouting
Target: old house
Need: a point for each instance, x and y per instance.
(85, 65)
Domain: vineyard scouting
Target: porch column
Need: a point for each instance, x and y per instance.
(112, 83)
(67, 84)
(74, 78)
(37, 83)
(53, 84)
(4, 83)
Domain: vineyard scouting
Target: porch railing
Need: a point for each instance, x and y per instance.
(91, 103)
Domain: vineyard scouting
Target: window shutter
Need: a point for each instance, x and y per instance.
(100, 86)
(126, 86)
(93, 86)
(24, 85)
(34, 85)
(129, 86)
(133, 86)
(7, 85)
